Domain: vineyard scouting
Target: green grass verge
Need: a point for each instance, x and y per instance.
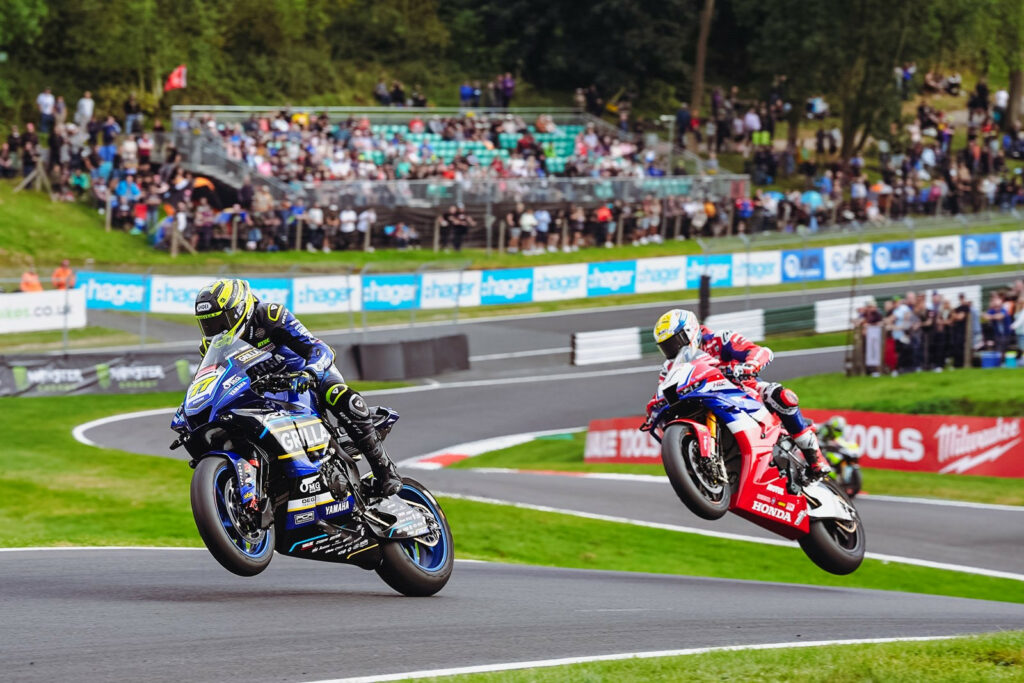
(566, 454)
(809, 340)
(989, 393)
(991, 657)
(93, 335)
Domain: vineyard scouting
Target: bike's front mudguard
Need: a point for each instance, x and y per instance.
(703, 434)
(245, 473)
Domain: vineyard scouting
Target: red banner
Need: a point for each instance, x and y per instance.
(917, 443)
(992, 446)
(620, 440)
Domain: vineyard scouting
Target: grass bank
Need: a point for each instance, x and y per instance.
(991, 657)
(986, 393)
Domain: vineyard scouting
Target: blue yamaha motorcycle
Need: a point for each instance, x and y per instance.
(274, 472)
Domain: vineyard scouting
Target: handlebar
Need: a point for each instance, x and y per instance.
(274, 383)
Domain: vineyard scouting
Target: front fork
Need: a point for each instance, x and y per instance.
(711, 422)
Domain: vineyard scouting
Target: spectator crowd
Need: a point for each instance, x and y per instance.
(922, 332)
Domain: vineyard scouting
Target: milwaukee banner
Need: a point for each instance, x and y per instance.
(992, 446)
(946, 444)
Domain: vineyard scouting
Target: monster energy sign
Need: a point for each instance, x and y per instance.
(95, 373)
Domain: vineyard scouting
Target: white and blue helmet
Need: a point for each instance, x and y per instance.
(675, 330)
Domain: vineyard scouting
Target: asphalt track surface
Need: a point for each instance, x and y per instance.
(174, 615)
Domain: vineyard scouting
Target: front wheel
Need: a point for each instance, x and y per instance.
(419, 566)
(230, 532)
(696, 479)
(835, 545)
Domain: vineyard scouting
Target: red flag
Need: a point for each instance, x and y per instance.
(176, 80)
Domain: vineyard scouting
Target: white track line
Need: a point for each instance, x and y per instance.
(944, 502)
(565, 661)
(472, 448)
(980, 571)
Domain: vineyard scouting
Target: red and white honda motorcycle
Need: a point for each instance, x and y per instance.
(751, 467)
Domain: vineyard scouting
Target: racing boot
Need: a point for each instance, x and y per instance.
(817, 465)
(386, 480)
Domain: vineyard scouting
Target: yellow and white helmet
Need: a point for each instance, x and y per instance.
(225, 306)
(676, 330)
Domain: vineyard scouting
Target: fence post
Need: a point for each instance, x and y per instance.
(618, 231)
(501, 235)
(366, 238)
(64, 331)
(969, 340)
(234, 232)
(489, 215)
(146, 278)
(437, 234)
(564, 221)
(298, 233)
(106, 213)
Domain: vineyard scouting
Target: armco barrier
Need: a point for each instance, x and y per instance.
(412, 359)
(946, 444)
(434, 290)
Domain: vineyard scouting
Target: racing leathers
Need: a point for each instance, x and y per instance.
(274, 329)
(744, 360)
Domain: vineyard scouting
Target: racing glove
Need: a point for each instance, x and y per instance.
(302, 381)
(745, 370)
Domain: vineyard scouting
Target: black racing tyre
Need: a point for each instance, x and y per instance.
(835, 546)
(244, 551)
(693, 477)
(418, 567)
(853, 482)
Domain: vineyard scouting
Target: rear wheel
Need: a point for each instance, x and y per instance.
(835, 545)
(696, 479)
(230, 532)
(419, 566)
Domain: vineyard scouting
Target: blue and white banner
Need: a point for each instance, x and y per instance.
(757, 268)
(982, 250)
(391, 292)
(717, 266)
(442, 290)
(937, 253)
(847, 260)
(450, 288)
(892, 257)
(667, 274)
(612, 277)
(511, 286)
(332, 294)
(802, 265)
(114, 291)
(553, 283)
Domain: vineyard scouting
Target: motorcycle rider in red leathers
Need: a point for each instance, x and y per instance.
(743, 359)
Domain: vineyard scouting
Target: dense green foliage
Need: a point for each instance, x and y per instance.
(333, 51)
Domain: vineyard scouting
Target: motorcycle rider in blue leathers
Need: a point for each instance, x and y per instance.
(230, 306)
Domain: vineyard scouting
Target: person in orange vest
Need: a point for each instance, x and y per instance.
(30, 281)
(63, 277)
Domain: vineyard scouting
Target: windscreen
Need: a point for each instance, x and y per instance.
(223, 353)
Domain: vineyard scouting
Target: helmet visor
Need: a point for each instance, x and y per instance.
(674, 344)
(213, 323)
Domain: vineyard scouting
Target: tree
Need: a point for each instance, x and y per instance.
(1008, 30)
(845, 50)
(697, 96)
